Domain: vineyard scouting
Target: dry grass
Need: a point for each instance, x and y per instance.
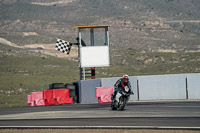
(95, 131)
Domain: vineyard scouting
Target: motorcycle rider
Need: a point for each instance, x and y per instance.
(122, 82)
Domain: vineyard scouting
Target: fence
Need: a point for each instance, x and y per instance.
(151, 87)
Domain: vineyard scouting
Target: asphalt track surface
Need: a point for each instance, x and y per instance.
(145, 115)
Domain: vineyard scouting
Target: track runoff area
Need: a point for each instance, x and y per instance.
(137, 115)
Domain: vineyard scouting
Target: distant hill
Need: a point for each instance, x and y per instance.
(139, 24)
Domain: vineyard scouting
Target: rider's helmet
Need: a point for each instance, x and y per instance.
(126, 78)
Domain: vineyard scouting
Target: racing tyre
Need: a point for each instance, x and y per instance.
(113, 106)
(70, 86)
(121, 108)
(56, 86)
(122, 103)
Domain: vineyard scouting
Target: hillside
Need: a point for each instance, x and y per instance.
(139, 24)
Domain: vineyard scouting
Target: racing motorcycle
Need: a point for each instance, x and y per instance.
(121, 99)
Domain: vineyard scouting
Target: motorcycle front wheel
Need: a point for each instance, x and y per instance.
(122, 103)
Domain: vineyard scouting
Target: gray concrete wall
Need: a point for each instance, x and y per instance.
(109, 81)
(133, 81)
(162, 87)
(193, 83)
(152, 87)
(87, 90)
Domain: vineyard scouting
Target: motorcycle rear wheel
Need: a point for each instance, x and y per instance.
(113, 106)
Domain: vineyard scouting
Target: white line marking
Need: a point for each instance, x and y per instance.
(102, 127)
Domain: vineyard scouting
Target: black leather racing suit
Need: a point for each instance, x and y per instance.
(119, 84)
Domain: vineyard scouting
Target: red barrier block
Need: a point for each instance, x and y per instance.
(37, 98)
(29, 100)
(48, 97)
(62, 96)
(104, 94)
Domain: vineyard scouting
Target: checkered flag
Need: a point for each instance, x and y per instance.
(63, 46)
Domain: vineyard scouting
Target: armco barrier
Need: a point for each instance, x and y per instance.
(193, 86)
(104, 94)
(87, 90)
(162, 87)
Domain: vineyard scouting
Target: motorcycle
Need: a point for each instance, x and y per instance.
(121, 99)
